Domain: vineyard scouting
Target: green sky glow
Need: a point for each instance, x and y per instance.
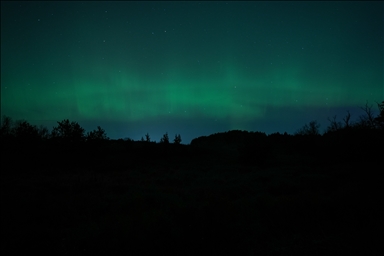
(233, 63)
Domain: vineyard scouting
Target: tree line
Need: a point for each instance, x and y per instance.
(367, 121)
(65, 132)
(72, 132)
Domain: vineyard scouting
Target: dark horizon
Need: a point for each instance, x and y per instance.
(359, 114)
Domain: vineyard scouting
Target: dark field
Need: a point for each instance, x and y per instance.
(284, 196)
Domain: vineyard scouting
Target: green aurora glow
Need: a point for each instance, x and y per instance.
(131, 63)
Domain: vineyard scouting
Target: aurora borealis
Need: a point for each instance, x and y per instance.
(192, 68)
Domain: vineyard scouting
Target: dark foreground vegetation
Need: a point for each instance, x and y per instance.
(234, 193)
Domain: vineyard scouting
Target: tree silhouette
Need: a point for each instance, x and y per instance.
(311, 129)
(334, 125)
(43, 132)
(165, 139)
(367, 120)
(177, 139)
(6, 127)
(380, 118)
(97, 135)
(24, 131)
(68, 132)
(346, 120)
(147, 138)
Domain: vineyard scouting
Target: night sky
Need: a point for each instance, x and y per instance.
(192, 68)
